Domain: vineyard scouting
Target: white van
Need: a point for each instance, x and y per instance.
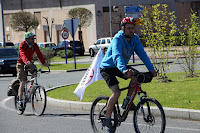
(102, 43)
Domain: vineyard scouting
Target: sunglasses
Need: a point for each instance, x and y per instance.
(32, 38)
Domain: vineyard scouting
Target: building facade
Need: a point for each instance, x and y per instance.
(57, 10)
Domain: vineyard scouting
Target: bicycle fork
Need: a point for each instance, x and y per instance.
(142, 108)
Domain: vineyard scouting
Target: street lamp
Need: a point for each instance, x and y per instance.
(115, 8)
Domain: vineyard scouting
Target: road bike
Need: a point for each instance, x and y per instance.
(148, 115)
(36, 96)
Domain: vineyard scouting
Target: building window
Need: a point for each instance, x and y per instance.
(106, 9)
(8, 38)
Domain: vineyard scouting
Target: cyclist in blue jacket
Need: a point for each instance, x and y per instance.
(122, 47)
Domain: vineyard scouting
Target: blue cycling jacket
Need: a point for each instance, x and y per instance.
(120, 51)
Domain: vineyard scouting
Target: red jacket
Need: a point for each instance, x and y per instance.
(26, 53)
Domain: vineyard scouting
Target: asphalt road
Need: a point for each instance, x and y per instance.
(62, 120)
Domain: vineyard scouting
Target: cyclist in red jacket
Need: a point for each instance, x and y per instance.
(26, 51)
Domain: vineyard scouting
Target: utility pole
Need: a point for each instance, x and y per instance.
(4, 42)
(110, 10)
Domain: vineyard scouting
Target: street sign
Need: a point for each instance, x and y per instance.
(134, 15)
(68, 23)
(133, 9)
(72, 25)
(64, 27)
(65, 34)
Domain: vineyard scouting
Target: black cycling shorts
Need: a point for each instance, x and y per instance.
(110, 74)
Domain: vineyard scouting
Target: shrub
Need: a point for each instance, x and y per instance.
(61, 53)
(47, 54)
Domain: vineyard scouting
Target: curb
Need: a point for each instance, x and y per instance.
(189, 114)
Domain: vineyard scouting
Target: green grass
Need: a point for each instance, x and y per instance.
(64, 66)
(181, 93)
(67, 66)
(57, 58)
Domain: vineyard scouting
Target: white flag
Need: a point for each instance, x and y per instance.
(92, 74)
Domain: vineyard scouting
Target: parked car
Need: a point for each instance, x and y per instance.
(8, 61)
(61, 45)
(49, 45)
(8, 44)
(79, 47)
(16, 45)
(102, 43)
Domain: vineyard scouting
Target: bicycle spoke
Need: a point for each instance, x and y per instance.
(16, 102)
(39, 100)
(149, 117)
(98, 114)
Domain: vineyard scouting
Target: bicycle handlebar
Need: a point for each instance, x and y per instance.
(144, 77)
(35, 70)
(46, 71)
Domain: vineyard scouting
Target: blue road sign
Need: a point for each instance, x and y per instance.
(133, 9)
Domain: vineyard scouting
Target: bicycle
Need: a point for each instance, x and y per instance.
(37, 96)
(148, 115)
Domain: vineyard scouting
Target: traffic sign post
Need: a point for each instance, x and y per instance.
(72, 27)
(73, 43)
(65, 35)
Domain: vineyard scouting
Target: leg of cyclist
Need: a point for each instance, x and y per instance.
(22, 76)
(109, 76)
(133, 81)
(21, 89)
(111, 102)
(113, 99)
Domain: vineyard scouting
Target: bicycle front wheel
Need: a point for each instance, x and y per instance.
(149, 117)
(38, 100)
(98, 114)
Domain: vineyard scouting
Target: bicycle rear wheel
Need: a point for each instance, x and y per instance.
(149, 117)
(38, 100)
(16, 102)
(98, 114)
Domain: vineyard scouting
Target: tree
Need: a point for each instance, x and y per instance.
(154, 28)
(189, 39)
(23, 21)
(49, 30)
(85, 17)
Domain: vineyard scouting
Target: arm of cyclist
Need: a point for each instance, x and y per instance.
(45, 64)
(154, 73)
(128, 73)
(39, 54)
(139, 50)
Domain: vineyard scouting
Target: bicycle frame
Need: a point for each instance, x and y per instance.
(138, 90)
(35, 82)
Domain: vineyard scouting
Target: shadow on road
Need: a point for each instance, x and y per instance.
(64, 115)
